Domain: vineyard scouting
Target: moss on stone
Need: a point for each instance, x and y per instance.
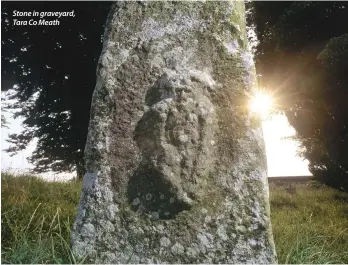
(155, 73)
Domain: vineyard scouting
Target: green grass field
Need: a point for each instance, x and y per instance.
(310, 223)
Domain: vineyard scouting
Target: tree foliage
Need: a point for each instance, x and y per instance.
(54, 69)
(302, 57)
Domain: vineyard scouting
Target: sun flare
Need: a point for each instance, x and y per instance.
(261, 103)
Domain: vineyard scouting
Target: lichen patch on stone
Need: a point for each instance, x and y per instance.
(176, 166)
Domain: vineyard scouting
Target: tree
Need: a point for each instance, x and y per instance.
(324, 137)
(302, 57)
(53, 68)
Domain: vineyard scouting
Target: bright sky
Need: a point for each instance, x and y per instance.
(282, 158)
(18, 163)
(281, 153)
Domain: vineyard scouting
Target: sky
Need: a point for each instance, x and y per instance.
(282, 158)
(18, 164)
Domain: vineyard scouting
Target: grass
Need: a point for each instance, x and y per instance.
(310, 223)
(36, 218)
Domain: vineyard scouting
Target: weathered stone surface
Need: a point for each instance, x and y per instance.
(176, 165)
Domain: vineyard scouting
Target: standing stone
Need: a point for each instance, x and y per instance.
(176, 166)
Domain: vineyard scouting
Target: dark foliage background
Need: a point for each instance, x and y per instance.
(303, 60)
(55, 69)
(301, 57)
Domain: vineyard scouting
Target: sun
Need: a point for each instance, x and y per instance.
(261, 104)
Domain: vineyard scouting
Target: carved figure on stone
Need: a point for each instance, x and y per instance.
(176, 165)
